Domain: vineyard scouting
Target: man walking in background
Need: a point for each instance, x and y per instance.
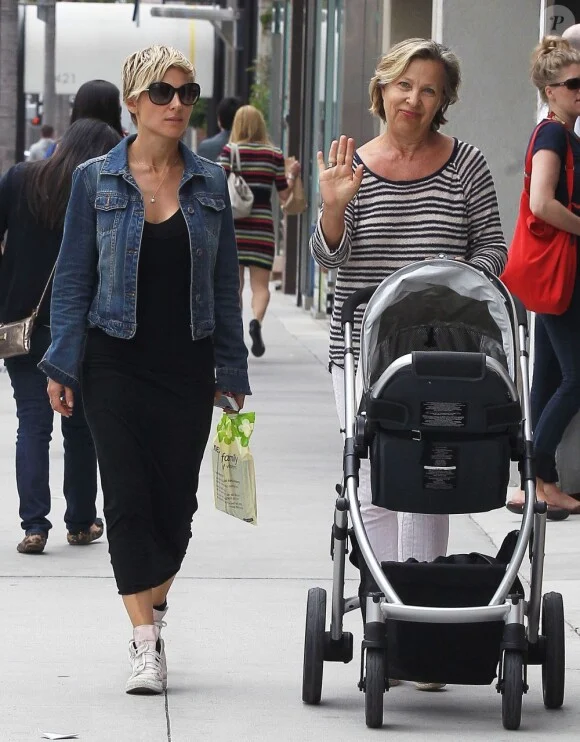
(39, 149)
(211, 147)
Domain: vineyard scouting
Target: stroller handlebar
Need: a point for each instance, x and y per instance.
(362, 296)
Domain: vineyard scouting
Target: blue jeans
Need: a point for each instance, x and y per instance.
(35, 423)
(555, 397)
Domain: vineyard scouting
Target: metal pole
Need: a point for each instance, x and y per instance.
(276, 79)
(20, 134)
(297, 64)
(230, 31)
(47, 13)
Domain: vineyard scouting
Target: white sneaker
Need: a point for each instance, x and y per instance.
(158, 617)
(430, 687)
(146, 677)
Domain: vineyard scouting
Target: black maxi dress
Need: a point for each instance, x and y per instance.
(148, 402)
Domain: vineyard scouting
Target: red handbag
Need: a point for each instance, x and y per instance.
(541, 265)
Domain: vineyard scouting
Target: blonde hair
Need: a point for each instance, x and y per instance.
(149, 65)
(249, 126)
(552, 54)
(394, 63)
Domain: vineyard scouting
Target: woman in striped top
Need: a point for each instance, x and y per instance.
(410, 194)
(262, 166)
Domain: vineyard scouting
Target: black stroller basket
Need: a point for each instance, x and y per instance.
(443, 428)
(452, 652)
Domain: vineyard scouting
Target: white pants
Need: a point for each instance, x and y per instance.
(394, 536)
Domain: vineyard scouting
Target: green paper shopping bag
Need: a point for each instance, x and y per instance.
(234, 479)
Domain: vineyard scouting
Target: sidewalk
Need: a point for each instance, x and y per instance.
(236, 621)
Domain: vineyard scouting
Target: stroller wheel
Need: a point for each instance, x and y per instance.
(553, 665)
(374, 687)
(314, 646)
(512, 689)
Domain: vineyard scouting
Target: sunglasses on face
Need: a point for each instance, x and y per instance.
(572, 83)
(162, 93)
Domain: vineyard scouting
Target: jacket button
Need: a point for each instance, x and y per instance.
(198, 252)
(190, 209)
(198, 297)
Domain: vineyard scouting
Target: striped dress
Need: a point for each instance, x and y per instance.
(262, 167)
(390, 224)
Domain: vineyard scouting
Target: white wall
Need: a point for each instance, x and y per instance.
(496, 112)
(409, 18)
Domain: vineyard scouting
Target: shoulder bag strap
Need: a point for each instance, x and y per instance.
(235, 162)
(569, 170)
(37, 309)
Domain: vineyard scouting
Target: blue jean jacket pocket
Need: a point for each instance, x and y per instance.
(109, 207)
(212, 207)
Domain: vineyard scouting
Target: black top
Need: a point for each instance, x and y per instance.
(553, 136)
(30, 251)
(163, 338)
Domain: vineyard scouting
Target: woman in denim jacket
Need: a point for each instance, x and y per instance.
(146, 318)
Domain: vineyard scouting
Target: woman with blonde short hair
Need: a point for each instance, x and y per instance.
(262, 166)
(146, 319)
(409, 194)
(555, 396)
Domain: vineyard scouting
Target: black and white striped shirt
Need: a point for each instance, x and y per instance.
(390, 224)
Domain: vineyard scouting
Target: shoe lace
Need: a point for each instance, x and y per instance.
(146, 658)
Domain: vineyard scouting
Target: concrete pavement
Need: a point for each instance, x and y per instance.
(236, 620)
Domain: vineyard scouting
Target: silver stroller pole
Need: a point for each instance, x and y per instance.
(351, 473)
(339, 536)
(538, 519)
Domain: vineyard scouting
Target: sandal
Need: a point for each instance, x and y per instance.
(553, 513)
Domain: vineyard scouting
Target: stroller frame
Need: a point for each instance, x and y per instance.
(522, 641)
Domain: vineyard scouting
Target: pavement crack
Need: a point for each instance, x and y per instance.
(167, 717)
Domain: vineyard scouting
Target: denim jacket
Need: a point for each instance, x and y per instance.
(95, 283)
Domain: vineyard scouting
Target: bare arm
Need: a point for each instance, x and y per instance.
(546, 167)
(293, 173)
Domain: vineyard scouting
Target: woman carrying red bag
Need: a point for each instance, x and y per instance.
(555, 397)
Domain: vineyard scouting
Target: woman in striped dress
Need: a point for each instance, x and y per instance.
(262, 166)
(407, 195)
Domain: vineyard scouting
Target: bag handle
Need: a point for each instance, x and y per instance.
(569, 161)
(37, 309)
(235, 155)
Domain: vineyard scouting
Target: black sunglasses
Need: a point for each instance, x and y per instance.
(162, 93)
(572, 83)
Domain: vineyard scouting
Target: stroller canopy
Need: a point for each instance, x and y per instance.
(435, 305)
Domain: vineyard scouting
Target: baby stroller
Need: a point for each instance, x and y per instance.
(435, 403)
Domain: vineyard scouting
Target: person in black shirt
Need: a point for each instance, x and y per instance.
(211, 147)
(33, 200)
